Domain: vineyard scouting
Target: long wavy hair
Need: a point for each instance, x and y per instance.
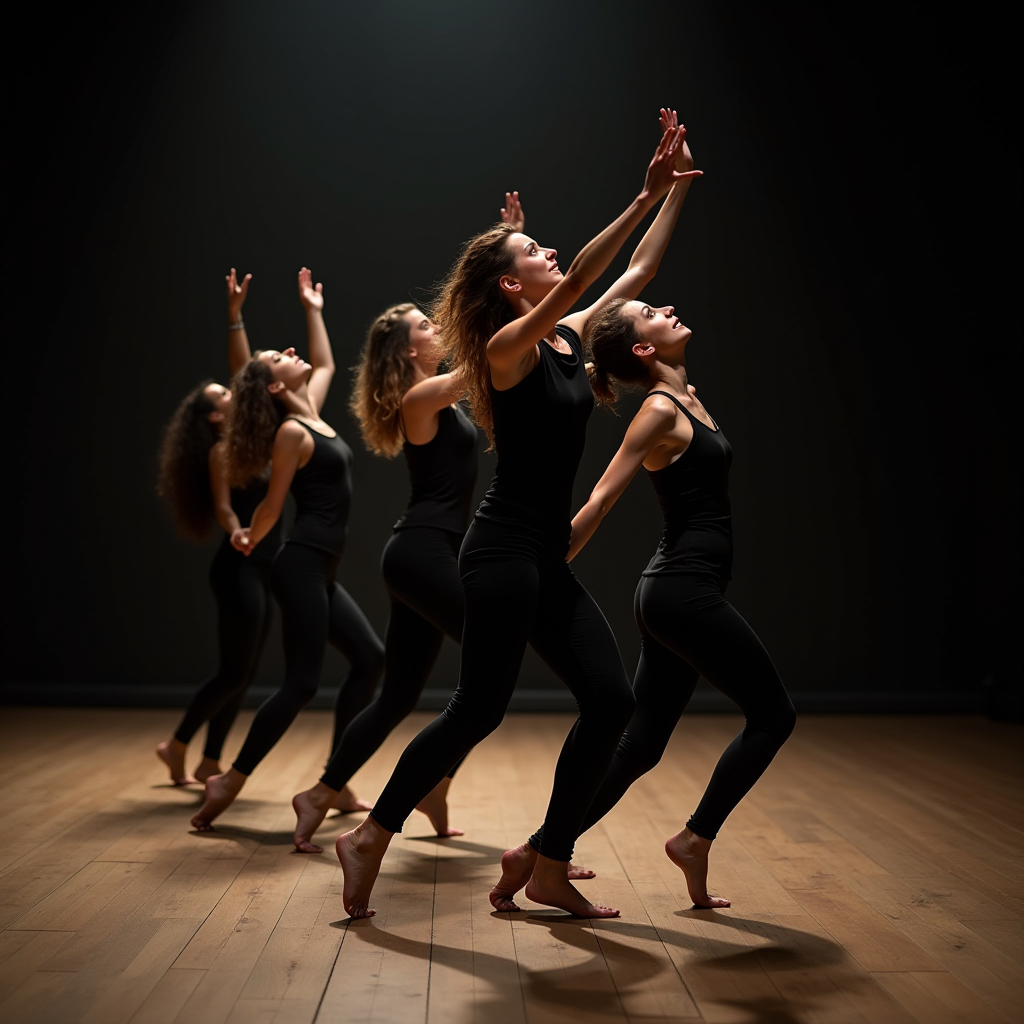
(183, 479)
(382, 377)
(471, 309)
(253, 419)
(609, 337)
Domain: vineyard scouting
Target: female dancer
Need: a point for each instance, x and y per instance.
(275, 415)
(403, 404)
(501, 315)
(193, 481)
(687, 627)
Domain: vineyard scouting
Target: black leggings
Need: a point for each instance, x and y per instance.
(241, 588)
(315, 610)
(420, 567)
(532, 599)
(689, 630)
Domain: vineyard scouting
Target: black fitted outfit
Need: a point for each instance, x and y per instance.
(688, 630)
(420, 565)
(315, 609)
(519, 589)
(241, 588)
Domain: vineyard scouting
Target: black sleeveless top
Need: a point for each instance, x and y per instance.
(693, 493)
(442, 473)
(323, 493)
(540, 427)
(244, 501)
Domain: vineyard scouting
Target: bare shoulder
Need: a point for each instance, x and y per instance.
(291, 433)
(658, 408)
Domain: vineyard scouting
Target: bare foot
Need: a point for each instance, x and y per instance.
(575, 873)
(221, 791)
(311, 808)
(172, 753)
(348, 803)
(435, 806)
(207, 767)
(516, 869)
(689, 853)
(550, 886)
(361, 852)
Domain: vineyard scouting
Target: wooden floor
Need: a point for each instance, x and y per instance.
(875, 872)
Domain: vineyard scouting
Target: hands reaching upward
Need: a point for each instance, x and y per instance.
(311, 298)
(513, 212)
(669, 119)
(236, 295)
(661, 172)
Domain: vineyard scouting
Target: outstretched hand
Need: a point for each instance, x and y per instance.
(513, 212)
(310, 297)
(236, 294)
(670, 119)
(661, 172)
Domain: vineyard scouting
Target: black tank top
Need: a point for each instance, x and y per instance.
(693, 493)
(323, 493)
(540, 427)
(244, 501)
(442, 473)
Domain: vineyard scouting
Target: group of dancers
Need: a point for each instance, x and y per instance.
(516, 355)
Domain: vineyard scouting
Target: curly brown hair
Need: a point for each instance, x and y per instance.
(183, 479)
(252, 423)
(609, 337)
(470, 310)
(382, 377)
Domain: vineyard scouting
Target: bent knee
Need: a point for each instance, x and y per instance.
(778, 722)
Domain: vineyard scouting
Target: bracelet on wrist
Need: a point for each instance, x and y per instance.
(236, 325)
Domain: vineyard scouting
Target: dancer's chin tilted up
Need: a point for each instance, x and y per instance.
(503, 317)
(193, 481)
(275, 416)
(687, 627)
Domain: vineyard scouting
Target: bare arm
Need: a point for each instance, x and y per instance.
(220, 491)
(647, 256)
(423, 401)
(238, 341)
(511, 348)
(321, 357)
(650, 425)
(289, 443)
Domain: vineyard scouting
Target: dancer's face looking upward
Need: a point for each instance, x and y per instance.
(658, 328)
(536, 269)
(424, 337)
(286, 367)
(220, 399)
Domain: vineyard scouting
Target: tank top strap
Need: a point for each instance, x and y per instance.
(672, 398)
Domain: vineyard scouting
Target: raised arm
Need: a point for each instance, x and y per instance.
(238, 341)
(515, 342)
(288, 448)
(423, 401)
(320, 356)
(649, 427)
(647, 256)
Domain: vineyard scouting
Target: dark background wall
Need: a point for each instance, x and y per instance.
(849, 265)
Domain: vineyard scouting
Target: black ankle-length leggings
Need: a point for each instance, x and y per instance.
(420, 567)
(515, 597)
(689, 630)
(315, 610)
(241, 588)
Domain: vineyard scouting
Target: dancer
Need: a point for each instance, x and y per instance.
(503, 318)
(687, 627)
(276, 415)
(403, 405)
(193, 482)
